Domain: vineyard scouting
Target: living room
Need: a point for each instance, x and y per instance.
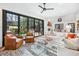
(39, 29)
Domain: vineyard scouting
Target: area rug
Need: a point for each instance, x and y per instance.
(31, 49)
(22, 51)
(39, 49)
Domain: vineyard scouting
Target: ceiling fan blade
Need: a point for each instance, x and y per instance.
(40, 6)
(42, 11)
(49, 8)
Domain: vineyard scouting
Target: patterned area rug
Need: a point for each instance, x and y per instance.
(34, 49)
(39, 49)
(22, 51)
(31, 49)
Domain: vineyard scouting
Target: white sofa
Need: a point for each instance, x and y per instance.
(72, 43)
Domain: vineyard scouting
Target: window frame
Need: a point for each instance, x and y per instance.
(4, 17)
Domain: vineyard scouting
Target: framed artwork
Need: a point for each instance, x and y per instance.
(59, 27)
(72, 27)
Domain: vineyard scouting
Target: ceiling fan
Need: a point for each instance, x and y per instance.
(44, 7)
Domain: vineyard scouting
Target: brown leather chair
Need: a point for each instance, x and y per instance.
(12, 42)
(29, 37)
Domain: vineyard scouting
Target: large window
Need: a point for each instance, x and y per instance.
(37, 28)
(12, 23)
(31, 24)
(23, 24)
(18, 23)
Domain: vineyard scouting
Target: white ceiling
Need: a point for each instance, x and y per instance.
(32, 9)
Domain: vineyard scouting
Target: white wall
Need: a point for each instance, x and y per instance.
(45, 27)
(69, 18)
(0, 28)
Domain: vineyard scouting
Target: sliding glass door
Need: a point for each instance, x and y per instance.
(12, 23)
(23, 24)
(36, 27)
(17, 23)
(31, 25)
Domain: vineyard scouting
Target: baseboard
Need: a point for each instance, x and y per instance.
(2, 48)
